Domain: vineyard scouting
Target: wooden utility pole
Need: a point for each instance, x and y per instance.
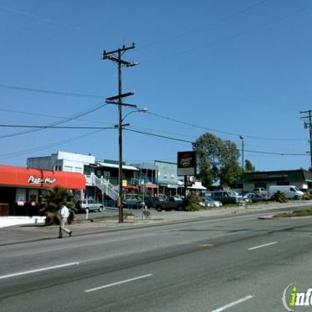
(308, 125)
(115, 56)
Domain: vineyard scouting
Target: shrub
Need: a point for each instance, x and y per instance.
(307, 196)
(52, 203)
(279, 197)
(192, 201)
(193, 207)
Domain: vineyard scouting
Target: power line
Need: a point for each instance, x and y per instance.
(231, 37)
(149, 112)
(276, 153)
(220, 131)
(41, 148)
(54, 22)
(55, 127)
(191, 142)
(196, 29)
(74, 117)
(159, 136)
(81, 95)
(42, 127)
(127, 129)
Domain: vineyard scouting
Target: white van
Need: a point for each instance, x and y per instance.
(290, 191)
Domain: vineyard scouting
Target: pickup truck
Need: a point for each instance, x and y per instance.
(171, 204)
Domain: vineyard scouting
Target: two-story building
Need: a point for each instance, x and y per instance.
(102, 176)
(168, 181)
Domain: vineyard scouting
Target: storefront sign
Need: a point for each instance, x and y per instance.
(36, 180)
(187, 163)
(265, 176)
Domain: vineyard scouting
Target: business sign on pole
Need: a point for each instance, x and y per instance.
(187, 163)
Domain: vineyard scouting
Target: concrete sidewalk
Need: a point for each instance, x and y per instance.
(11, 221)
(36, 230)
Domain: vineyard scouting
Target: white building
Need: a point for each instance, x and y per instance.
(62, 161)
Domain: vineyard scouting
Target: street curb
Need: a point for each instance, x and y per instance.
(270, 217)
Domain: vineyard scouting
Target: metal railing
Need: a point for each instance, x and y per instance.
(105, 186)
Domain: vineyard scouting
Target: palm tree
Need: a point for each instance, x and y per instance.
(279, 197)
(52, 202)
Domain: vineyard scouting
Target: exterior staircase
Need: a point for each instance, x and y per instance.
(106, 187)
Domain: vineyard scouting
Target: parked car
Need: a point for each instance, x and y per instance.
(209, 202)
(91, 204)
(254, 197)
(177, 197)
(132, 203)
(150, 201)
(171, 204)
(259, 190)
(226, 197)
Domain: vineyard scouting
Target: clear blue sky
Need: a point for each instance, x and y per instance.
(226, 67)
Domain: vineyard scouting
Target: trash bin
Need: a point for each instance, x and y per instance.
(4, 209)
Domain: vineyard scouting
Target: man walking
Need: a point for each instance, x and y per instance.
(64, 214)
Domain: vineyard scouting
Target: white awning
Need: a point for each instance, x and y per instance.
(108, 165)
(197, 186)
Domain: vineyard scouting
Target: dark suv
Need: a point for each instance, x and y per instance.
(151, 201)
(225, 197)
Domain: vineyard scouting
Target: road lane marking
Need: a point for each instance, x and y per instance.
(118, 283)
(40, 270)
(205, 245)
(232, 304)
(261, 246)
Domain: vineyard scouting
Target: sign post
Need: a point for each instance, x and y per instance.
(187, 164)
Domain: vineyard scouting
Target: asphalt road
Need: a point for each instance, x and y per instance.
(230, 263)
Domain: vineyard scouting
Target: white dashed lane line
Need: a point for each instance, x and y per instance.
(39, 270)
(232, 304)
(262, 246)
(118, 283)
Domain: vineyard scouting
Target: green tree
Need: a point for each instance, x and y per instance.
(230, 174)
(217, 160)
(249, 167)
(52, 202)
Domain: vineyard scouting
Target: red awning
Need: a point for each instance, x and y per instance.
(150, 185)
(37, 178)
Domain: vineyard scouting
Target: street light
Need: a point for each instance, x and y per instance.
(138, 110)
(120, 173)
(242, 138)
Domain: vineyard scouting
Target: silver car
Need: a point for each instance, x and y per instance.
(209, 202)
(90, 204)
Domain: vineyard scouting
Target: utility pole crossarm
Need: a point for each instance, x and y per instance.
(110, 56)
(123, 49)
(119, 96)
